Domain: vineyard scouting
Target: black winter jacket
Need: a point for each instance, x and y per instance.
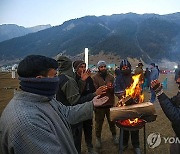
(171, 108)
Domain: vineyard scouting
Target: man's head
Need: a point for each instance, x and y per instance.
(152, 65)
(79, 66)
(125, 67)
(101, 65)
(64, 63)
(37, 66)
(140, 65)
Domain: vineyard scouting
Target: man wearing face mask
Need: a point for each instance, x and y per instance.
(171, 108)
(122, 81)
(103, 78)
(34, 122)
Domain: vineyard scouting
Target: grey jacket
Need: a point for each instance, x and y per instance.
(154, 75)
(32, 124)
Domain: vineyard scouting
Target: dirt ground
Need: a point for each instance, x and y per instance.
(161, 125)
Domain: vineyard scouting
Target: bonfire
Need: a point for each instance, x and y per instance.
(131, 108)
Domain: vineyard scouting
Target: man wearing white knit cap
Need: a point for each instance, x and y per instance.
(103, 78)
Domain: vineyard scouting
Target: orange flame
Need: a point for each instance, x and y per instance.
(133, 121)
(135, 90)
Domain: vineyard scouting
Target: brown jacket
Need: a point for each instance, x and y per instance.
(99, 81)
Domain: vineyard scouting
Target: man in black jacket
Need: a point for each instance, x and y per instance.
(86, 86)
(171, 108)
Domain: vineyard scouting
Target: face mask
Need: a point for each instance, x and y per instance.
(126, 71)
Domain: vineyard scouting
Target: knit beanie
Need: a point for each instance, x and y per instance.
(124, 63)
(78, 63)
(101, 63)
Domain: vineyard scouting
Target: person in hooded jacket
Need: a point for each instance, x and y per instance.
(122, 81)
(171, 108)
(68, 93)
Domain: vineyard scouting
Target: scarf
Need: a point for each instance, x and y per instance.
(41, 86)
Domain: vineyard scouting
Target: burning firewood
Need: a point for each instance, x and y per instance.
(131, 105)
(126, 101)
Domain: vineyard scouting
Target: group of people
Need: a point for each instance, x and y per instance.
(77, 87)
(55, 104)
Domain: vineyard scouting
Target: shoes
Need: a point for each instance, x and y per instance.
(115, 140)
(98, 143)
(137, 151)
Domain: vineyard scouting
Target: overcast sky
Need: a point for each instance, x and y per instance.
(39, 12)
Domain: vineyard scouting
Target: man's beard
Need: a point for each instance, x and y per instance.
(103, 72)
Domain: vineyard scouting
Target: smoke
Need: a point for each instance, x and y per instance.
(167, 64)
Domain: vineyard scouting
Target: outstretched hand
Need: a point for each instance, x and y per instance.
(97, 101)
(101, 90)
(156, 86)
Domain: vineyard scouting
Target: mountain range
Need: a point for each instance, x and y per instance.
(9, 31)
(150, 37)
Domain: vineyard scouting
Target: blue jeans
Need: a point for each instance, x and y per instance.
(153, 96)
